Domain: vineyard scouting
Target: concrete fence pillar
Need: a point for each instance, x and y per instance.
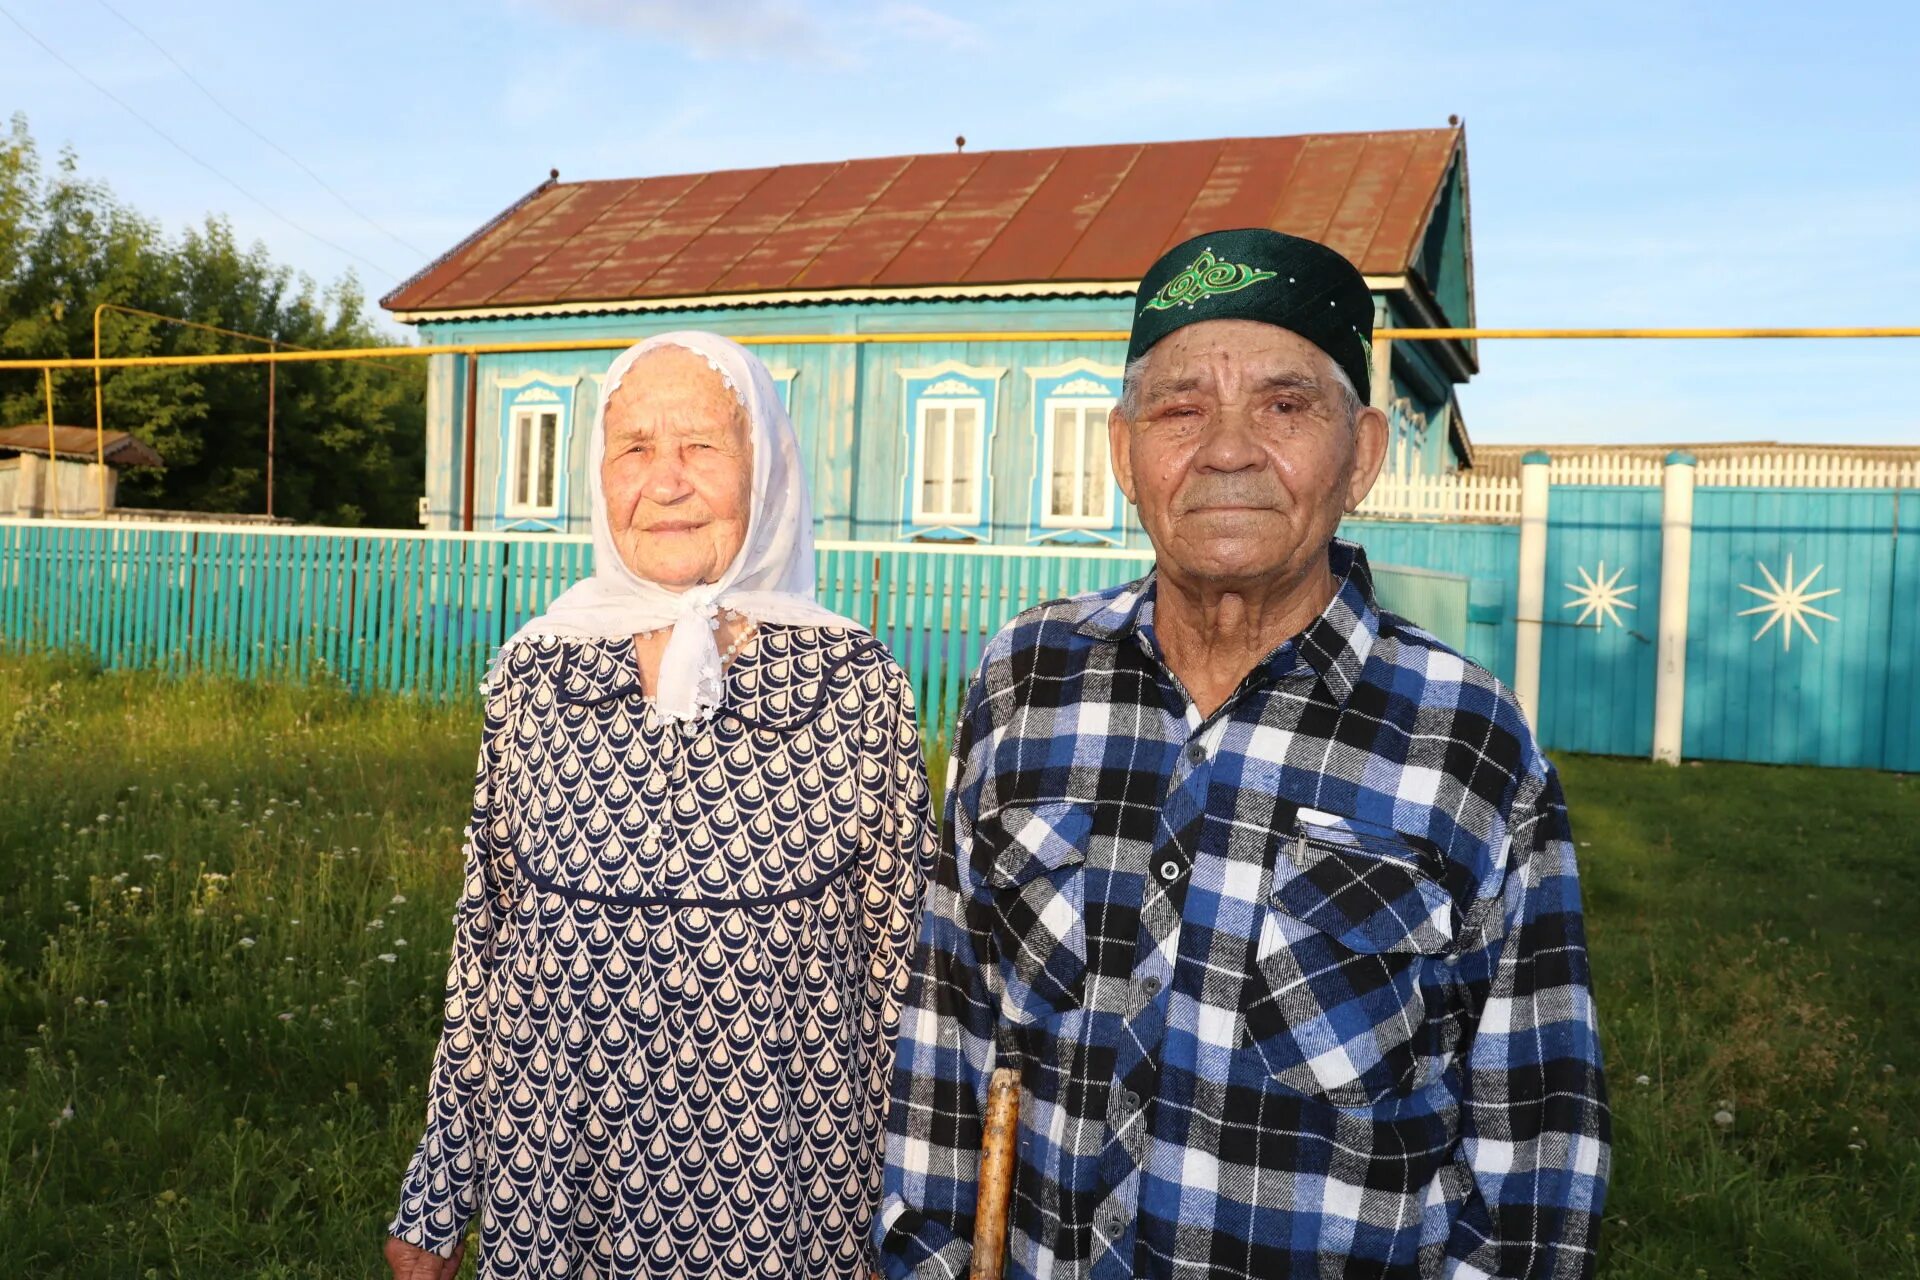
(103, 485)
(30, 492)
(1531, 601)
(1676, 565)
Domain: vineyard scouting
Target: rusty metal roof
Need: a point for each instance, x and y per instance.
(121, 449)
(965, 221)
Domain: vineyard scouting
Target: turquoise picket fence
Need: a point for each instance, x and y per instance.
(423, 612)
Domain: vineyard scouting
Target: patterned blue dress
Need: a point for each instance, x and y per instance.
(678, 965)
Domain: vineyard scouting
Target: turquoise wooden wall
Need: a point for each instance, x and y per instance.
(845, 398)
(1849, 699)
(1597, 678)
(420, 613)
(1485, 554)
(1845, 695)
(1902, 750)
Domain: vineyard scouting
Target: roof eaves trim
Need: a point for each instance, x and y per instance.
(800, 297)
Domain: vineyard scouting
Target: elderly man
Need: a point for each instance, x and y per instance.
(1267, 893)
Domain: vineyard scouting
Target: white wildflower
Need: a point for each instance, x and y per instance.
(397, 899)
(246, 942)
(386, 957)
(1643, 1080)
(1723, 1118)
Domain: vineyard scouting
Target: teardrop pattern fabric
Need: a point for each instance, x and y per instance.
(677, 968)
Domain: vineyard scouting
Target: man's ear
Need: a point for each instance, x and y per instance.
(1369, 452)
(1120, 449)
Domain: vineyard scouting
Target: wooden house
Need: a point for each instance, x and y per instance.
(962, 435)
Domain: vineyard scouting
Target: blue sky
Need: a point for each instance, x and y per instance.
(1632, 164)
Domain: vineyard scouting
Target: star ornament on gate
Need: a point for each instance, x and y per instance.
(1599, 596)
(1787, 602)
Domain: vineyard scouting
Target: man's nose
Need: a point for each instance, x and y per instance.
(1228, 443)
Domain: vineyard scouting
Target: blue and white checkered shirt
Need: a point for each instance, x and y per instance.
(1296, 989)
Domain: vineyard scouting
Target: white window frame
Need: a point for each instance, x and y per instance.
(976, 458)
(531, 413)
(1104, 519)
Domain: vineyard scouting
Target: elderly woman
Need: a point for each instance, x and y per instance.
(692, 879)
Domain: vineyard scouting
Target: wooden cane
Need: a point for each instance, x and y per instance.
(999, 1143)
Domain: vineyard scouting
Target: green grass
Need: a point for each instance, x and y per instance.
(213, 1038)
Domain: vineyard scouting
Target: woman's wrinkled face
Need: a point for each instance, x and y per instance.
(677, 473)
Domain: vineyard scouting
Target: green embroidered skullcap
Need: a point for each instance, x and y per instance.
(1269, 276)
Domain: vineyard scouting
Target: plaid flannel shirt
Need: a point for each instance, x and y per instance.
(1298, 988)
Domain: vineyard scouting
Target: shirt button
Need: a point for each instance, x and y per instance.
(1196, 753)
(1113, 1223)
(1132, 1100)
(1170, 871)
(1150, 985)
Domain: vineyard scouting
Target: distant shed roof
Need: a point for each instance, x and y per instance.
(959, 221)
(121, 449)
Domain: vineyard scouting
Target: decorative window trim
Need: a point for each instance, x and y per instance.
(529, 394)
(783, 377)
(1079, 383)
(1406, 437)
(951, 404)
(949, 384)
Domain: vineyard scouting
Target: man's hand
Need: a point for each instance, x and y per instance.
(410, 1262)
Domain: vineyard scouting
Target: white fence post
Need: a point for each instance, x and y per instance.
(1676, 566)
(1531, 601)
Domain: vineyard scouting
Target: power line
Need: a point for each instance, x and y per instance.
(171, 141)
(233, 116)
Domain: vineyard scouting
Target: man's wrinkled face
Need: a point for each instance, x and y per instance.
(1242, 457)
(677, 473)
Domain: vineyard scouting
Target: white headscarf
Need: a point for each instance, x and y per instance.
(770, 579)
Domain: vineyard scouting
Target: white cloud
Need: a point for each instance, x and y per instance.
(782, 29)
(794, 31)
(919, 23)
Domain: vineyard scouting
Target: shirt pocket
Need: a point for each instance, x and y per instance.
(1346, 988)
(1037, 879)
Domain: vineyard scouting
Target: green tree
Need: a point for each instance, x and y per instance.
(349, 437)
